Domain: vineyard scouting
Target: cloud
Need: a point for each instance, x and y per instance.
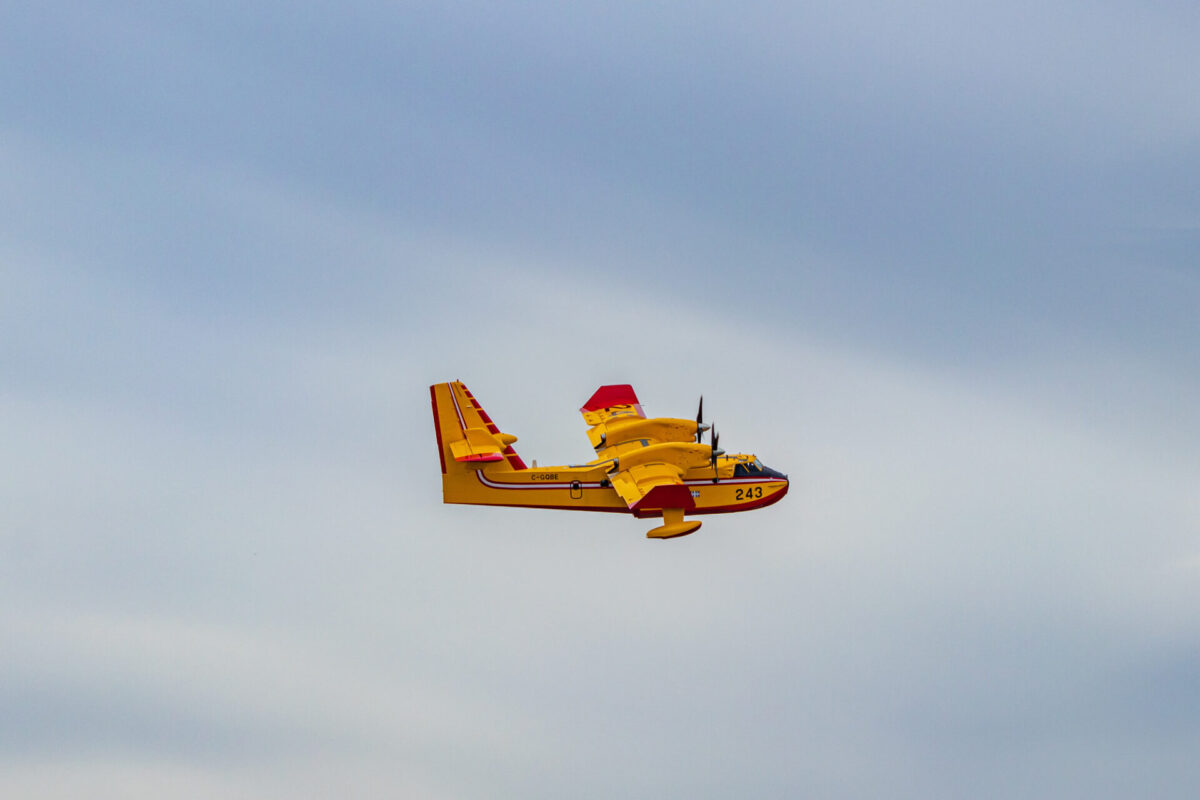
(955, 560)
(237, 253)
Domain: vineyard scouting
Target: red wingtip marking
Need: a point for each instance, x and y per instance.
(609, 396)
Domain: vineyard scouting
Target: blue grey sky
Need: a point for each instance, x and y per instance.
(937, 261)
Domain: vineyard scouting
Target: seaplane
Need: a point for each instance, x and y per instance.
(650, 467)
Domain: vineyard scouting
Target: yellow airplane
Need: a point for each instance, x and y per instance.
(646, 467)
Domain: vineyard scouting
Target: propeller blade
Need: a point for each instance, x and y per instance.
(700, 421)
(716, 437)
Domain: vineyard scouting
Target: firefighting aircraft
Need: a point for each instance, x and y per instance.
(649, 467)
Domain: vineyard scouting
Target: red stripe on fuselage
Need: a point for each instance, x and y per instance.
(763, 502)
(729, 509)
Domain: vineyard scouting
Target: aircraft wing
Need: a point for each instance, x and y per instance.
(612, 402)
(649, 455)
(652, 488)
(649, 478)
(619, 425)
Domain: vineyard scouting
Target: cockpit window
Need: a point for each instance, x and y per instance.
(755, 469)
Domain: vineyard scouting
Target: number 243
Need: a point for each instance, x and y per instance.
(749, 493)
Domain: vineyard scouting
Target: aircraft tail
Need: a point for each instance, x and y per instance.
(467, 438)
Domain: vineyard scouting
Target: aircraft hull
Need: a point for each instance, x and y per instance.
(545, 488)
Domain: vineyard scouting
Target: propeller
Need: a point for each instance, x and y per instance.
(700, 426)
(716, 451)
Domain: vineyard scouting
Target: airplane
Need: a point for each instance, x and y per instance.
(648, 467)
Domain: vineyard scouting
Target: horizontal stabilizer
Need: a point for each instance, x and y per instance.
(480, 446)
(480, 457)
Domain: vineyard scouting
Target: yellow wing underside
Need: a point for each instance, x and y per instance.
(649, 456)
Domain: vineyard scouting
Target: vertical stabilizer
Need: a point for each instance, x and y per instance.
(467, 440)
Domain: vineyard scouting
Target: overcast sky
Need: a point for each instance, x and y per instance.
(937, 261)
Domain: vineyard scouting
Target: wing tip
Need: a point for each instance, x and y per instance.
(613, 395)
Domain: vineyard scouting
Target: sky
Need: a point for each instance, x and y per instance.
(936, 261)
